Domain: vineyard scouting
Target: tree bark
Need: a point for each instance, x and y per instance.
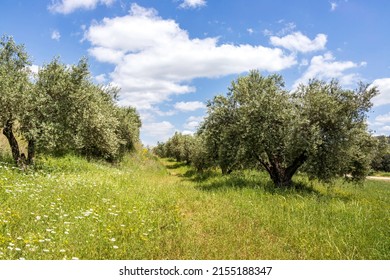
(7, 131)
(280, 176)
(31, 152)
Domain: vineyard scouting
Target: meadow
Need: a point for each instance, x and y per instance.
(149, 208)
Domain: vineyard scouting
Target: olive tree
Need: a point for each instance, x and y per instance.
(14, 87)
(320, 127)
(60, 109)
(78, 116)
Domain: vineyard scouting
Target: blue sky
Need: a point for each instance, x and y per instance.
(170, 56)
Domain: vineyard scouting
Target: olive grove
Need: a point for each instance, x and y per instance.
(319, 129)
(60, 110)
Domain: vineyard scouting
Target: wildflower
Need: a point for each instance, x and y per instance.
(18, 249)
(115, 247)
(75, 258)
(38, 218)
(46, 250)
(112, 239)
(62, 251)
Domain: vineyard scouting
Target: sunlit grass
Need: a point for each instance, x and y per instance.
(145, 209)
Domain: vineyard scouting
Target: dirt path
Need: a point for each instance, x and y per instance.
(378, 178)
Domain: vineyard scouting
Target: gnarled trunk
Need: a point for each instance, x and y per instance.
(30, 151)
(281, 176)
(7, 131)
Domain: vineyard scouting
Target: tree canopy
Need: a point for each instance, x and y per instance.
(320, 129)
(60, 109)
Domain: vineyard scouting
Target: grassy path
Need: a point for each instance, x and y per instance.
(144, 209)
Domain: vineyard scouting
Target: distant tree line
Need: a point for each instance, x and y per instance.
(60, 110)
(319, 129)
(381, 160)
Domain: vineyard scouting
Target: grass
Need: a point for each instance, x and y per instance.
(147, 209)
(381, 174)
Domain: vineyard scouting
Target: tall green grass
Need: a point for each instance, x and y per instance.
(148, 209)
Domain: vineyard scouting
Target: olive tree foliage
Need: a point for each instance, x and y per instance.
(61, 110)
(191, 149)
(14, 88)
(200, 157)
(381, 154)
(320, 128)
(74, 115)
(179, 147)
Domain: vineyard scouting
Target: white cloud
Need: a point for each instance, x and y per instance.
(250, 31)
(106, 54)
(380, 125)
(162, 130)
(288, 28)
(383, 118)
(189, 106)
(34, 69)
(383, 86)
(188, 132)
(192, 4)
(386, 128)
(101, 79)
(155, 58)
(298, 42)
(69, 6)
(193, 123)
(326, 67)
(333, 6)
(55, 35)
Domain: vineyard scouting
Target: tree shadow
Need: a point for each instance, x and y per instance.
(175, 165)
(194, 176)
(213, 181)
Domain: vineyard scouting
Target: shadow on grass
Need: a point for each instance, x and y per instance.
(6, 158)
(212, 181)
(175, 165)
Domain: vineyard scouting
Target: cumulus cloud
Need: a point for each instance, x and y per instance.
(333, 6)
(34, 68)
(383, 118)
(298, 42)
(101, 79)
(326, 67)
(55, 35)
(69, 6)
(381, 124)
(383, 86)
(192, 4)
(162, 130)
(155, 58)
(193, 122)
(189, 106)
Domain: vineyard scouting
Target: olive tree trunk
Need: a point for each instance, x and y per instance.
(31, 152)
(7, 131)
